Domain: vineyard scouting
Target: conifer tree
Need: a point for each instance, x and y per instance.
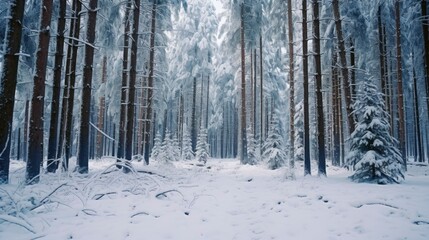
(187, 153)
(202, 153)
(156, 147)
(273, 148)
(373, 155)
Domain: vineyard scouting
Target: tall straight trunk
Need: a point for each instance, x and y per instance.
(85, 110)
(419, 145)
(18, 147)
(131, 85)
(25, 138)
(8, 82)
(243, 153)
(252, 120)
(201, 101)
(35, 143)
(352, 69)
(64, 104)
(148, 123)
(401, 109)
(319, 94)
(207, 103)
(387, 79)
(125, 71)
(261, 97)
(343, 62)
(72, 82)
(100, 125)
(193, 116)
(336, 110)
(59, 55)
(291, 86)
(140, 117)
(307, 166)
(382, 56)
(254, 93)
(425, 26)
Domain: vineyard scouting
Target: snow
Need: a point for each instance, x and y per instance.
(222, 200)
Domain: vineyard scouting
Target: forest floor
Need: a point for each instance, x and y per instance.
(222, 200)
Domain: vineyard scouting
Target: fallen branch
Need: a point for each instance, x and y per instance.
(43, 201)
(100, 195)
(17, 221)
(139, 213)
(151, 173)
(165, 192)
(382, 204)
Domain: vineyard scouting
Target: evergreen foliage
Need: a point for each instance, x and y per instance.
(252, 148)
(187, 153)
(202, 153)
(273, 148)
(373, 155)
(156, 150)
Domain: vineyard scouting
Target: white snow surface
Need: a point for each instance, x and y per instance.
(222, 200)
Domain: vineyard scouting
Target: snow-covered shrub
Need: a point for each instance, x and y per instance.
(373, 155)
(168, 152)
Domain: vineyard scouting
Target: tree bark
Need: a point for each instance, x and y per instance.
(100, 125)
(319, 94)
(148, 123)
(8, 83)
(85, 112)
(123, 115)
(243, 153)
(52, 163)
(72, 82)
(343, 62)
(419, 146)
(400, 87)
(193, 116)
(291, 86)
(307, 164)
(425, 26)
(131, 85)
(35, 143)
(336, 98)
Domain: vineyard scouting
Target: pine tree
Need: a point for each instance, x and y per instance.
(273, 147)
(187, 153)
(202, 153)
(373, 155)
(252, 147)
(156, 147)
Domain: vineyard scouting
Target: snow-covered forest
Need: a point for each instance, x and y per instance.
(106, 101)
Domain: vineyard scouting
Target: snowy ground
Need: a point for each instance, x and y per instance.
(223, 200)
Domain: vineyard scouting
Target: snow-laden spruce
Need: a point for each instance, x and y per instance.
(202, 153)
(373, 155)
(156, 147)
(187, 153)
(273, 147)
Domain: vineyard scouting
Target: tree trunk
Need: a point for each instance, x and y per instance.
(35, 143)
(148, 123)
(8, 83)
(243, 155)
(254, 93)
(336, 111)
(85, 112)
(319, 94)
(52, 163)
(123, 114)
(131, 85)
(419, 153)
(400, 87)
(343, 62)
(261, 97)
(307, 164)
(72, 82)
(291, 86)
(193, 116)
(207, 104)
(425, 26)
(382, 56)
(100, 125)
